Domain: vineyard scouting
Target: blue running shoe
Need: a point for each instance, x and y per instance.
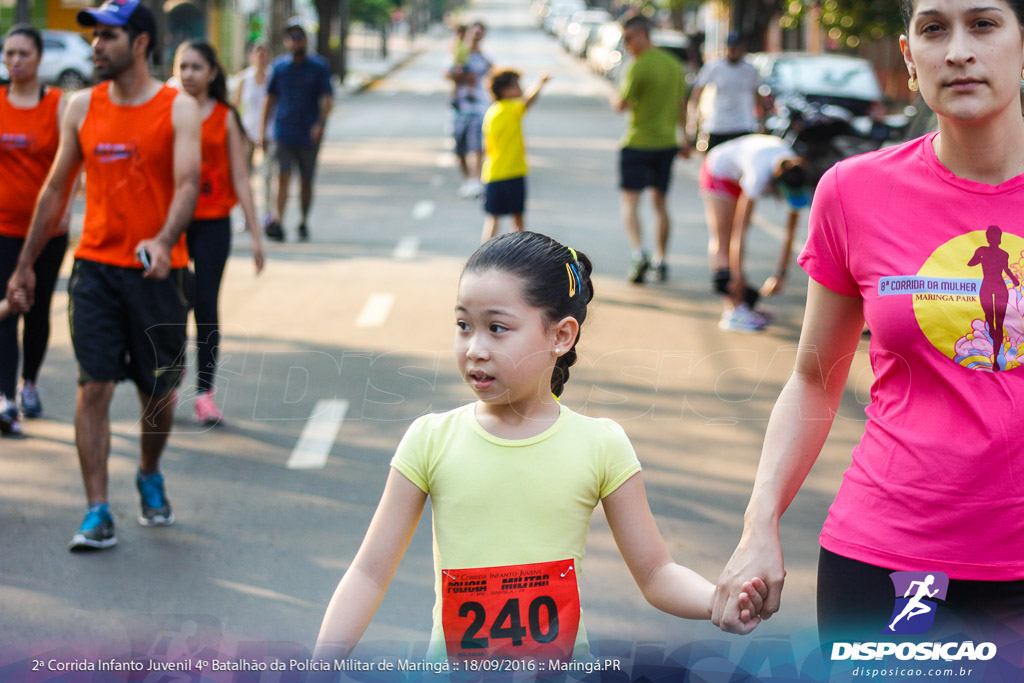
(156, 509)
(96, 532)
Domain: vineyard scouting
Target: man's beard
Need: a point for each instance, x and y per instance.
(114, 68)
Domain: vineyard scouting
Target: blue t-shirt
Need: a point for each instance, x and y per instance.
(298, 86)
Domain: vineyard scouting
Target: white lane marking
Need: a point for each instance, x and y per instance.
(445, 160)
(423, 209)
(406, 248)
(375, 310)
(318, 435)
(264, 593)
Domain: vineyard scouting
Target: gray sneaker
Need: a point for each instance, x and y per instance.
(156, 509)
(96, 532)
(638, 270)
(31, 406)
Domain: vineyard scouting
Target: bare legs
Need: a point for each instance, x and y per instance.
(491, 224)
(720, 213)
(92, 434)
(630, 216)
(630, 206)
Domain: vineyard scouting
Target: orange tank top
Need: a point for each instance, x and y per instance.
(129, 171)
(216, 191)
(28, 145)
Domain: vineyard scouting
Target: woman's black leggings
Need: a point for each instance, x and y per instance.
(856, 600)
(35, 334)
(209, 243)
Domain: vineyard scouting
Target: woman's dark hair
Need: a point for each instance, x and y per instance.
(219, 85)
(554, 279)
(907, 7)
(27, 30)
(793, 176)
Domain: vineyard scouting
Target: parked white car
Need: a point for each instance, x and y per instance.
(606, 53)
(582, 30)
(561, 11)
(66, 63)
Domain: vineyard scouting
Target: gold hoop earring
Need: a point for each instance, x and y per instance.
(912, 84)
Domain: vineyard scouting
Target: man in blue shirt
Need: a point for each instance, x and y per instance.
(299, 96)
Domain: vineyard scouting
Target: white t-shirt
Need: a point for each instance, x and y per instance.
(735, 85)
(749, 161)
(251, 99)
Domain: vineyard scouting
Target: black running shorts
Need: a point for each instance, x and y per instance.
(641, 168)
(124, 326)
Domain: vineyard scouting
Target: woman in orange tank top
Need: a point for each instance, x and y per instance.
(223, 182)
(29, 133)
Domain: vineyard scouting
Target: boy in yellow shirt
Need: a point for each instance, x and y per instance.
(504, 169)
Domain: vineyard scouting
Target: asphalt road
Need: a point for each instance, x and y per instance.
(357, 325)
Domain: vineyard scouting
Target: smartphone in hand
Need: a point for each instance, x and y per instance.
(143, 257)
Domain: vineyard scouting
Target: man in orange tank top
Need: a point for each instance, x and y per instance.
(130, 288)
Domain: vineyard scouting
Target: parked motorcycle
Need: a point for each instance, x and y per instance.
(824, 134)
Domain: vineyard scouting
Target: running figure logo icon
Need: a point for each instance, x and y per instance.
(917, 596)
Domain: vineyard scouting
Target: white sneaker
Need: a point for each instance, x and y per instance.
(742, 319)
(468, 188)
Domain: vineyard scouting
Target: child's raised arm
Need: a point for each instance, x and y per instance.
(668, 586)
(361, 590)
(531, 95)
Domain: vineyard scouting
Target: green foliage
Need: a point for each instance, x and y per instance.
(376, 13)
(849, 22)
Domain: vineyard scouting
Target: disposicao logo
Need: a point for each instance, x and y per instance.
(917, 599)
(917, 596)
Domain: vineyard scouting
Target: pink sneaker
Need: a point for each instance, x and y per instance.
(206, 411)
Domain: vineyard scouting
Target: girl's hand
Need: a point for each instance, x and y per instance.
(751, 599)
(758, 554)
(258, 255)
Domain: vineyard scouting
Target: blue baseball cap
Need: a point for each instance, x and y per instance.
(120, 13)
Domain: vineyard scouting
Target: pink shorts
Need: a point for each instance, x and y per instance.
(717, 187)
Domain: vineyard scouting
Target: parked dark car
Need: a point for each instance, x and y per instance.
(840, 80)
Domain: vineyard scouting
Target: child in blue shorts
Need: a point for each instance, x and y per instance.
(504, 169)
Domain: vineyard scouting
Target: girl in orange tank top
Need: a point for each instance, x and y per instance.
(29, 134)
(223, 182)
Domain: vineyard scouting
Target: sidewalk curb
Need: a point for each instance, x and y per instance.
(371, 81)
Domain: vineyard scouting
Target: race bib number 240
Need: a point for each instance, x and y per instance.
(518, 611)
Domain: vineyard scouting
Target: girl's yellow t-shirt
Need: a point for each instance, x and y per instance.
(498, 502)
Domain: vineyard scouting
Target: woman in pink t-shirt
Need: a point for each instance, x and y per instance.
(925, 242)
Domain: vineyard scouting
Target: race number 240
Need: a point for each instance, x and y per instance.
(514, 611)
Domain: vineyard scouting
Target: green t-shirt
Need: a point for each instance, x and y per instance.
(497, 502)
(653, 87)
